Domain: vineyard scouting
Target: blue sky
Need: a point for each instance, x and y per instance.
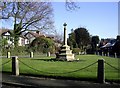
(119, 18)
(100, 18)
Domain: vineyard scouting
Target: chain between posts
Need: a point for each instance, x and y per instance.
(112, 66)
(61, 72)
(6, 62)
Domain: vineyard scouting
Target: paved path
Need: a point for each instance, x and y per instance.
(11, 81)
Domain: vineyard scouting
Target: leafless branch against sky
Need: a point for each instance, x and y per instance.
(71, 5)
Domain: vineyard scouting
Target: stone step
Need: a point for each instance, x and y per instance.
(64, 54)
(66, 51)
(65, 47)
(69, 57)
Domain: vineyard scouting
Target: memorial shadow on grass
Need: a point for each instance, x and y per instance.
(54, 59)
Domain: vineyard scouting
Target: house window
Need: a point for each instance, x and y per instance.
(23, 42)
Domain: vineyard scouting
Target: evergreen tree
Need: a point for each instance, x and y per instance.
(82, 37)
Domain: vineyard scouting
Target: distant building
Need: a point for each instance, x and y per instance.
(32, 35)
(6, 34)
(23, 41)
(25, 38)
(107, 42)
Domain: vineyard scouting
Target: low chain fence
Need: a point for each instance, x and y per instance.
(67, 72)
(63, 72)
(29, 55)
(108, 54)
(58, 73)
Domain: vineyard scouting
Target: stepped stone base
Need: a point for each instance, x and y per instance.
(65, 54)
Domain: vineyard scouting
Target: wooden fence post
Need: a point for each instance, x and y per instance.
(108, 54)
(100, 72)
(98, 53)
(102, 54)
(8, 54)
(115, 55)
(48, 54)
(15, 66)
(31, 54)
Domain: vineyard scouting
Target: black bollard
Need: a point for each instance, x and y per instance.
(31, 54)
(48, 54)
(100, 72)
(15, 66)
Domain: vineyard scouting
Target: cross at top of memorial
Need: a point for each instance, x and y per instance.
(64, 24)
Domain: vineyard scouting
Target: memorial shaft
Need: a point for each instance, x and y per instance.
(65, 37)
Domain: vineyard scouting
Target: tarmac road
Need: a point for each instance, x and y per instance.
(11, 81)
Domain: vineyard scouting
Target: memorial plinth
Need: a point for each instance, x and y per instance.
(65, 53)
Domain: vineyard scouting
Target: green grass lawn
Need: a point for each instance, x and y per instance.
(63, 69)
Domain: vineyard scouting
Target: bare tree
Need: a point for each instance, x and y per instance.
(71, 5)
(31, 15)
(28, 15)
(58, 36)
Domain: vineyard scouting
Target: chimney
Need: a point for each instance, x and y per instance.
(38, 32)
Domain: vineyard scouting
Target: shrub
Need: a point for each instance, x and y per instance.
(42, 44)
(19, 50)
(76, 50)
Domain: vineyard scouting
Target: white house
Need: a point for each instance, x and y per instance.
(6, 34)
(23, 41)
(32, 35)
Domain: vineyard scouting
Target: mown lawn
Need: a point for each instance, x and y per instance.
(46, 67)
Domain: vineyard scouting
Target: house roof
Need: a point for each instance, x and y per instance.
(23, 37)
(35, 34)
(3, 31)
(50, 36)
